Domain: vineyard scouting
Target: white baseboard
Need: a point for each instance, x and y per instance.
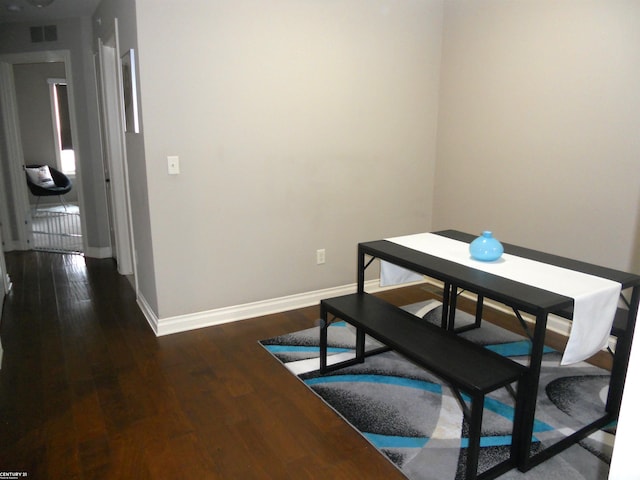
(192, 321)
(209, 318)
(148, 313)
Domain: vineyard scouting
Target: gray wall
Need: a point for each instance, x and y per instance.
(311, 126)
(538, 128)
(299, 126)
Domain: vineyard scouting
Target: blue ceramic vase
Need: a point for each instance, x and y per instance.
(486, 248)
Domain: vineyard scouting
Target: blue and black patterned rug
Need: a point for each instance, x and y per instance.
(416, 422)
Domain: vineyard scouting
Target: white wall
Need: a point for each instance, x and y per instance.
(538, 127)
(299, 125)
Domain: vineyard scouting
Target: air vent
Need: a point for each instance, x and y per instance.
(45, 33)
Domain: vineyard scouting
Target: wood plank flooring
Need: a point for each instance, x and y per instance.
(87, 391)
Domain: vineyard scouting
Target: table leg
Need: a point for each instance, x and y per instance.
(530, 394)
(360, 337)
(621, 357)
(479, 308)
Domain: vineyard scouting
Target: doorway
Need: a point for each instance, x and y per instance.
(29, 131)
(42, 94)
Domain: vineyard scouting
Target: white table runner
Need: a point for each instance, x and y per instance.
(595, 298)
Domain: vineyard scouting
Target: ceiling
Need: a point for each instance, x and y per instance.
(22, 11)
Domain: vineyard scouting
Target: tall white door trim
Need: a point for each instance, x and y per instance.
(116, 169)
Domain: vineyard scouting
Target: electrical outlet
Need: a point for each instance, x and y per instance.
(320, 256)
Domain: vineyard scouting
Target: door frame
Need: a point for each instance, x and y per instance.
(19, 196)
(115, 164)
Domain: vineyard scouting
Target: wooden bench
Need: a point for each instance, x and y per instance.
(463, 365)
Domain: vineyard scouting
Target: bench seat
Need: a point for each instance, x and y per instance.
(460, 363)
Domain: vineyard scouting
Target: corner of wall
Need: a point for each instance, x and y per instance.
(149, 314)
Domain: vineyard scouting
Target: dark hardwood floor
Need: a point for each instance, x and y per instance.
(87, 391)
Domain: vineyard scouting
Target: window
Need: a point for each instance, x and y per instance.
(65, 155)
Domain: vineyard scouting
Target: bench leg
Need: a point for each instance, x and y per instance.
(475, 432)
(360, 353)
(324, 324)
(453, 304)
(518, 419)
(445, 306)
(360, 345)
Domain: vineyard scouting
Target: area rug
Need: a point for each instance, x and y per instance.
(413, 418)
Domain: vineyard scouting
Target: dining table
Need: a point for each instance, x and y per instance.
(597, 301)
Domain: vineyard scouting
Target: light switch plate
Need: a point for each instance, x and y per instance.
(173, 164)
